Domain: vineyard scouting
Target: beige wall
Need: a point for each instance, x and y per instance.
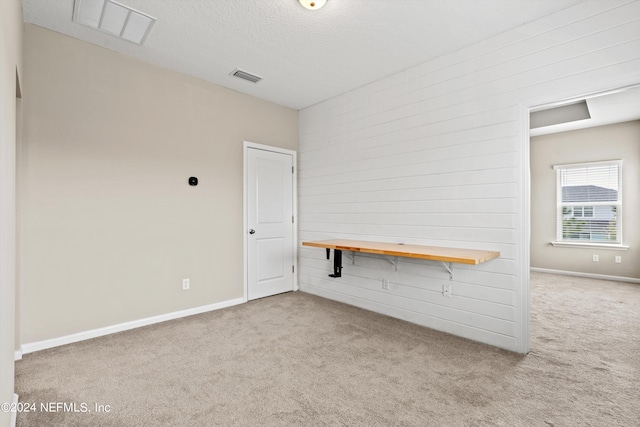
(619, 141)
(10, 66)
(109, 225)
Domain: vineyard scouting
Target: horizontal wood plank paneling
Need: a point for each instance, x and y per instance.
(489, 275)
(418, 219)
(405, 154)
(500, 175)
(502, 205)
(453, 310)
(439, 167)
(424, 232)
(432, 156)
(422, 318)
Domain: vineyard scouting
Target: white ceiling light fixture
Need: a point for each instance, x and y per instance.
(312, 4)
(114, 18)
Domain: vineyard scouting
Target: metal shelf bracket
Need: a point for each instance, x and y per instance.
(393, 261)
(352, 256)
(449, 267)
(337, 262)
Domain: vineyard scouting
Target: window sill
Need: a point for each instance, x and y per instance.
(612, 246)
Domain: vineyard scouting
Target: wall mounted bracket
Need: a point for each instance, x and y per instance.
(351, 255)
(337, 262)
(394, 261)
(449, 267)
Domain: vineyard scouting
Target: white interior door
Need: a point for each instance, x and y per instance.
(270, 246)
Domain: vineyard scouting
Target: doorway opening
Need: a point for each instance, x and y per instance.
(561, 134)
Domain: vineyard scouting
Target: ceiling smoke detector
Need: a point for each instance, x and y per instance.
(113, 18)
(312, 4)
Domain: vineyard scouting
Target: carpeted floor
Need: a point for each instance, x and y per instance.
(296, 359)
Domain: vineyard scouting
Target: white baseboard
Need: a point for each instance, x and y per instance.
(14, 414)
(94, 333)
(17, 355)
(589, 275)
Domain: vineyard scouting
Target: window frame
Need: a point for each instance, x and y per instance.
(560, 206)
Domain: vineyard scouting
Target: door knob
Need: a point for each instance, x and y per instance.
(252, 231)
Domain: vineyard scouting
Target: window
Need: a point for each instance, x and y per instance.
(589, 203)
(579, 212)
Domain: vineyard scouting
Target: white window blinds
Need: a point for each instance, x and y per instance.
(589, 202)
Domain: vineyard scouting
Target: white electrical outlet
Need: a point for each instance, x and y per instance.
(446, 291)
(185, 284)
(618, 259)
(596, 258)
(385, 284)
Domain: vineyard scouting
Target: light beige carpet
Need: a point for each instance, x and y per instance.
(296, 359)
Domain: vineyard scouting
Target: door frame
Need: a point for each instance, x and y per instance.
(525, 106)
(247, 145)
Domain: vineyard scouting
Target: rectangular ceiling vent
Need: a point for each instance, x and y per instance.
(245, 76)
(113, 18)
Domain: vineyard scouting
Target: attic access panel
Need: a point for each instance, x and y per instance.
(114, 18)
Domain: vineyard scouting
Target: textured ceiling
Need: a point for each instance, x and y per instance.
(303, 56)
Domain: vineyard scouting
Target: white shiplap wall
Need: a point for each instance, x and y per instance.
(437, 155)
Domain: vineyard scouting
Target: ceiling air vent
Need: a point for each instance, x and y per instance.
(245, 76)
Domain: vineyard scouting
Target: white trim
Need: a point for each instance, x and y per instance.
(245, 252)
(571, 100)
(588, 275)
(590, 245)
(587, 164)
(14, 414)
(542, 103)
(120, 327)
(245, 242)
(17, 355)
(523, 307)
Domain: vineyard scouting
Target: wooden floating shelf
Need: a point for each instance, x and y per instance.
(432, 253)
